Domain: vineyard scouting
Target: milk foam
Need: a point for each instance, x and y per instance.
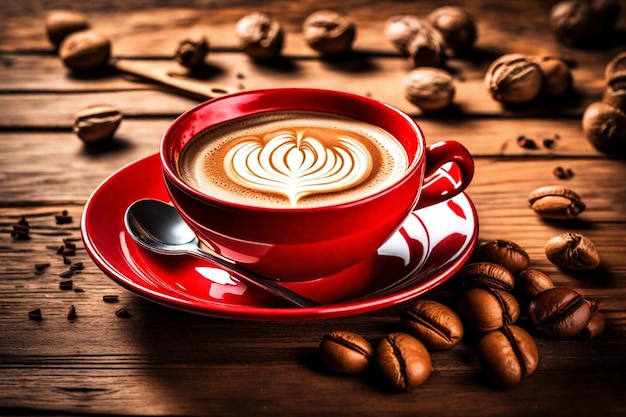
(292, 159)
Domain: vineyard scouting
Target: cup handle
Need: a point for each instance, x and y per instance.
(438, 188)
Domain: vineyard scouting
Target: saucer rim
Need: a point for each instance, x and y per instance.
(247, 312)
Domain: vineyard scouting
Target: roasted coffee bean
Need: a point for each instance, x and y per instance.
(505, 253)
(487, 275)
(110, 298)
(559, 312)
(66, 274)
(345, 352)
(35, 315)
(123, 313)
(531, 282)
(403, 361)
(553, 202)
(508, 355)
(71, 312)
(63, 218)
(41, 266)
(66, 285)
(595, 326)
(572, 251)
(434, 324)
(484, 310)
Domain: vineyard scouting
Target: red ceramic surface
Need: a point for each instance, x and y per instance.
(297, 244)
(432, 244)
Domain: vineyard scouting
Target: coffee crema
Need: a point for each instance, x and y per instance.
(292, 159)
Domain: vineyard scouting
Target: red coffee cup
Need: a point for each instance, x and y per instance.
(304, 243)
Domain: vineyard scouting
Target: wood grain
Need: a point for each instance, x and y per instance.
(161, 361)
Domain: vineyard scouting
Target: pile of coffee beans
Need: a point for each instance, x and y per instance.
(499, 288)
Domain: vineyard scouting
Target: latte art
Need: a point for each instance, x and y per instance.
(292, 159)
(295, 165)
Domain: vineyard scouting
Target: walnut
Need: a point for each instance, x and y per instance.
(429, 88)
(329, 33)
(192, 50)
(514, 79)
(456, 25)
(260, 36)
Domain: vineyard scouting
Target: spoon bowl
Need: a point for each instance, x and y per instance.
(157, 226)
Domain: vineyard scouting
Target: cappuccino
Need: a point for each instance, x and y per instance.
(292, 159)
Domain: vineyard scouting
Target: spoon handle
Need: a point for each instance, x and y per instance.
(266, 284)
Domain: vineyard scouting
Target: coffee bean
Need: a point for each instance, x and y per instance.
(41, 266)
(123, 313)
(345, 352)
(505, 253)
(531, 282)
(434, 324)
(559, 312)
(35, 315)
(508, 355)
(66, 285)
(110, 298)
(487, 275)
(403, 361)
(71, 312)
(484, 310)
(595, 326)
(572, 251)
(554, 202)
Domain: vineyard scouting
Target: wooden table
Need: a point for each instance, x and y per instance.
(161, 361)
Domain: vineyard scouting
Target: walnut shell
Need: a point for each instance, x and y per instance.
(605, 127)
(192, 50)
(456, 25)
(401, 28)
(328, 32)
(429, 88)
(557, 75)
(514, 79)
(260, 36)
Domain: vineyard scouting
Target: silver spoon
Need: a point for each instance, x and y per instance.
(158, 227)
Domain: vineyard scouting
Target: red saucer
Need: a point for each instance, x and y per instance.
(429, 248)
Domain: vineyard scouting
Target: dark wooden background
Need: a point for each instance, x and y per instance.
(165, 362)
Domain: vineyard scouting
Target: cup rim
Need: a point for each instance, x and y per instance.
(172, 173)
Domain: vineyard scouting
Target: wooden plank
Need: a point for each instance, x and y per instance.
(379, 77)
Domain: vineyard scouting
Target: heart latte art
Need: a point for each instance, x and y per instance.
(293, 164)
(292, 159)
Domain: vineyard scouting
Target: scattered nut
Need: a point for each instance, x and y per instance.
(97, 123)
(555, 202)
(429, 88)
(85, 50)
(400, 29)
(192, 50)
(456, 25)
(60, 23)
(583, 22)
(328, 32)
(572, 251)
(514, 78)
(557, 75)
(260, 36)
(605, 128)
(427, 48)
